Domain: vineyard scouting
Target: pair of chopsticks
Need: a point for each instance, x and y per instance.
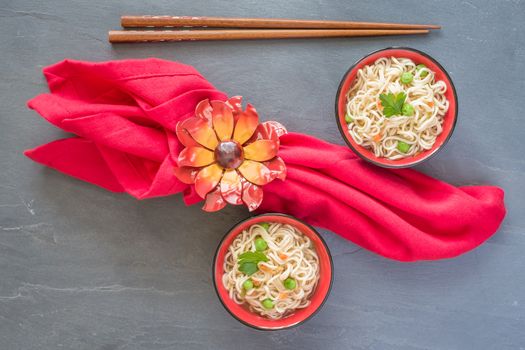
(251, 28)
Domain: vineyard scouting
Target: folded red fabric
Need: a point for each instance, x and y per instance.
(124, 114)
(400, 214)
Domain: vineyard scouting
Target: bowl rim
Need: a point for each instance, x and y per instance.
(293, 218)
(431, 154)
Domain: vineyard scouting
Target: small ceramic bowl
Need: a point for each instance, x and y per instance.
(418, 57)
(240, 312)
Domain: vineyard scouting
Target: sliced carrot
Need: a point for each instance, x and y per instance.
(283, 295)
(265, 268)
(431, 104)
(377, 138)
(379, 105)
(283, 256)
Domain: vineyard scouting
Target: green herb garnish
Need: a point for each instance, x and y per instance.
(248, 262)
(392, 104)
(248, 268)
(252, 257)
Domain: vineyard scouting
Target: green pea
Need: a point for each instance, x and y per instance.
(403, 146)
(268, 303)
(348, 118)
(290, 283)
(406, 78)
(407, 110)
(260, 244)
(248, 284)
(265, 225)
(419, 67)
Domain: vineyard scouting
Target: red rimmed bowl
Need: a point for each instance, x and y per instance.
(418, 57)
(240, 312)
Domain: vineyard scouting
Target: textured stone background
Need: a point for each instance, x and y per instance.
(81, 268)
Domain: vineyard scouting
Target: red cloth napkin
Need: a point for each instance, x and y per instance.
(401, 214)
(124, 115)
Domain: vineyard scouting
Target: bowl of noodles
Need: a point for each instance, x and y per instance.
(396, 107)
(272, 271)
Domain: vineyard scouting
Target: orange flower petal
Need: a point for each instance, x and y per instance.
(277, 168)
(235, 103)
(231, 187)
(214, 201)
(204, 110)
(261, 150)
(202, 132)
(222, 118)
(186, 174)
(183, 135)
(276, 127)
(268, 131)
(246, 125)
(255, 172)
(207, 179)
(261, 133)
(195, 157)
(252, 195)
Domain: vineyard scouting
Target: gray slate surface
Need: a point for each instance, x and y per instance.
(81, 268)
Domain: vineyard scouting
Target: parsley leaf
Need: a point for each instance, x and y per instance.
(248, 262)
(252, 257)
(248, 268)
(392, 104)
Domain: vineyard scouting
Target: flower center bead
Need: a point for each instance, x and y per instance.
(229, 154)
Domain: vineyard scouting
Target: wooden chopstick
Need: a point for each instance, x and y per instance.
(225, 22)
(130, 36)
